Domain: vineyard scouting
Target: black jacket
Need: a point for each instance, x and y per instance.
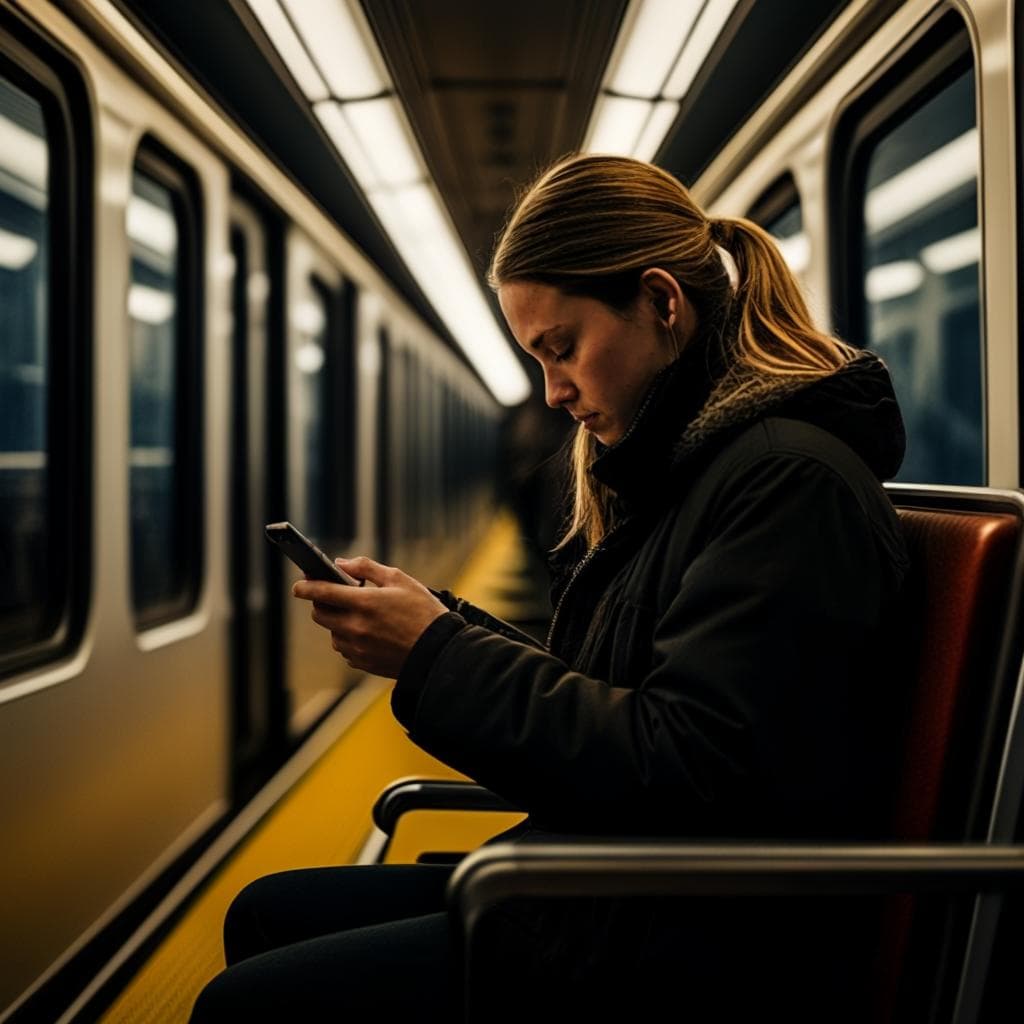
(717, 665)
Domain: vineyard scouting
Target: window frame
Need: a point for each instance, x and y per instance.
(938, 52)
(161, 165)
(49, 76)
(775, 200)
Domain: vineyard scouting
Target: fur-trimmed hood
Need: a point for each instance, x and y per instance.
(685, 415)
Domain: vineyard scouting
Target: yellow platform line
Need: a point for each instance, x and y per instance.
(323, 820)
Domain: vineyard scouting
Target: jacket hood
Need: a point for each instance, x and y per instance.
(685, 413)
(858, 405)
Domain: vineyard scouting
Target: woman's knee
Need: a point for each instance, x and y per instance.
(245, 923)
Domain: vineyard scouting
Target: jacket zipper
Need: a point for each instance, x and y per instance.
(589, 556)
(580, 566)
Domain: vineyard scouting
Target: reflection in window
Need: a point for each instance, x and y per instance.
(788, 230)
(159, 570)
(310, 320)
(779, 211)
(31, 589)
(922, 248)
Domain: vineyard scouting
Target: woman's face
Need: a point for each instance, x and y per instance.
(598, 363)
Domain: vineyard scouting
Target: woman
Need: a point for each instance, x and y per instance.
(718, 644)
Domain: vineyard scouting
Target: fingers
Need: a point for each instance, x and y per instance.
(338, 594)
(364, 568)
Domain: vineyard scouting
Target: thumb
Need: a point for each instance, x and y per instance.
(364, 568)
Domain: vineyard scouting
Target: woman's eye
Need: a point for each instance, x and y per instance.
(564, 354)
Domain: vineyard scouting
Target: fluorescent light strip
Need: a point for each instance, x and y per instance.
(796, 251)
(16, 251)
(616, 125)
(417, 223)
(893, 280)
(638, 107)
(654, 34)
(953, 253)
(662, 115)
(308, 318)
(380, 127)
(23, 154)
(309, 358)
(339, 131)
(338, 47)
(151, 226)
(698, 46)
(150, 305)
(922, 183)
(280, 32)
(374, 139)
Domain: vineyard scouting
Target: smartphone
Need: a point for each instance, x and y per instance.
(306, 555)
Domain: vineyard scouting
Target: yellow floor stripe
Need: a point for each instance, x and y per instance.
(324, 820)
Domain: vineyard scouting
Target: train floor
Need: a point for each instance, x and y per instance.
(316, 811)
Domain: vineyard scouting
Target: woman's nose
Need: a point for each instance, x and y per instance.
(557, 390)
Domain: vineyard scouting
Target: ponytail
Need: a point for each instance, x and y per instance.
(775, 334)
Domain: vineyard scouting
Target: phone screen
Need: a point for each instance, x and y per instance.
(306, 555)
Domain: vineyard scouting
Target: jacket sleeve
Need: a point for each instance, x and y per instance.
(748, 709)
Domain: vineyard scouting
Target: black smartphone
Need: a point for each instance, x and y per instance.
(306, 555)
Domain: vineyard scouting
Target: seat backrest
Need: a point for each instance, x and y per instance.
(961, 571)
(961, 651)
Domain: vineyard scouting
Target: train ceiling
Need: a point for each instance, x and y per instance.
(493, 91)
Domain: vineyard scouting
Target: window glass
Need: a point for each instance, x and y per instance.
(788, 230)
(922, 248)
(160, 563)
(312, 323)
(32, 589)
(779, 211)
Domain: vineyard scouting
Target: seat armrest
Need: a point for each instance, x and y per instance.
(612, 870)
(418, 794)
(615, 869)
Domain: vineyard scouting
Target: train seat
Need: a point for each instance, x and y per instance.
(955, 806)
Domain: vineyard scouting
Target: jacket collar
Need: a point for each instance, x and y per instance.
(682, 416)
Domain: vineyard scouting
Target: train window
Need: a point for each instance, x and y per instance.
(24, 342)
(165, 395)
(311, 319)
(43, 377)
(324, 361)
(341, 381)
(383, 505)
(780, 213)
(918, 279)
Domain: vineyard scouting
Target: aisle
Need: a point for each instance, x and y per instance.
(317, 811)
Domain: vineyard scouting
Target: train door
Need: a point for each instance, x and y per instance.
(257, 701)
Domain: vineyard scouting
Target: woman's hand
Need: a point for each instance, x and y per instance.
(372, 628)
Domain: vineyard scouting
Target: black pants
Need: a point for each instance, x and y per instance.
(318, 944)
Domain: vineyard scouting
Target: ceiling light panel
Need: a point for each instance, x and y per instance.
(662, 115)
(386, 140)
(698, 46)
(368, 128)
(616, 124)
(662, 45)
(657, 30)
(279, 29)
(335, 123)
(338, 45)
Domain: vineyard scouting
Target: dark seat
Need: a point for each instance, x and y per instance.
(960, 782)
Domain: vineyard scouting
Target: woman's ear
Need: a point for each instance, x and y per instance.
(671, 306)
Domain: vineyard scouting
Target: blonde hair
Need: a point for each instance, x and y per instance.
(591, 225)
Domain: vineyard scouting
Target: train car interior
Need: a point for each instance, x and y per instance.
(244, 248)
